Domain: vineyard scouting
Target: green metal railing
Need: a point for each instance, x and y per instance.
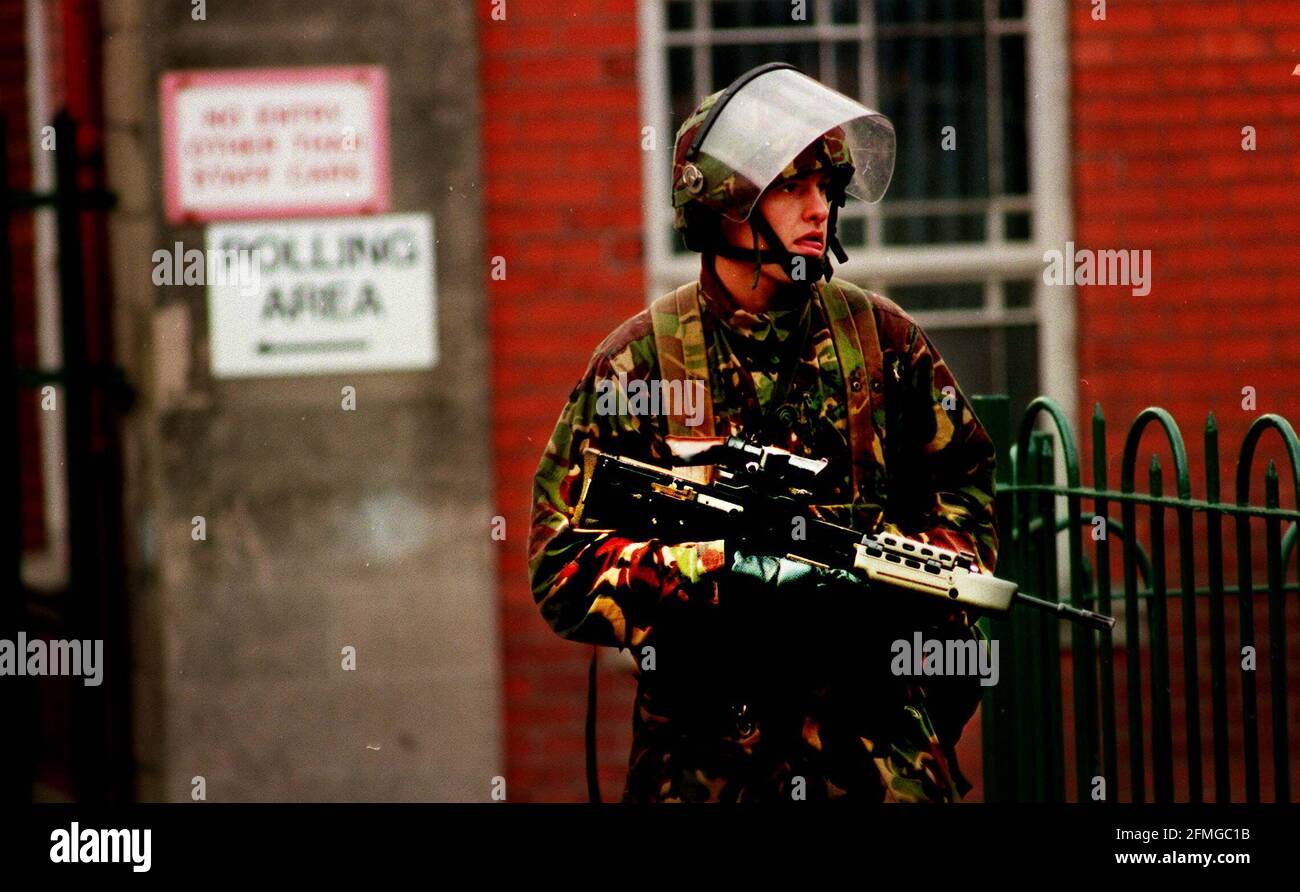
(1023, 727)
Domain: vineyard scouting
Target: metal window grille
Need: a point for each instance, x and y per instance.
(957, 221)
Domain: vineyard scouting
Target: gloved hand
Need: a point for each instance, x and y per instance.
(767, 587)
(789, 576)
(790, 611)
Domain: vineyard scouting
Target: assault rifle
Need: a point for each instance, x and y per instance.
(756, 496)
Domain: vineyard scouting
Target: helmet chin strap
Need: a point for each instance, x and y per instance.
(780, 255)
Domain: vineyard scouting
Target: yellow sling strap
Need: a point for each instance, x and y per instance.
(857, 347)
(679, 342)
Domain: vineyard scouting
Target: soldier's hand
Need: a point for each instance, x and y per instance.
(791, 611)
(786, 575)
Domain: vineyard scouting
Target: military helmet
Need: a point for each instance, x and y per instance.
(773, 123)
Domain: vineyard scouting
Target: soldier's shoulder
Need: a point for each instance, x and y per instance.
(892, 321)
(629, 348)
(860, 299)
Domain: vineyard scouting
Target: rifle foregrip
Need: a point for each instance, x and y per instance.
(981, 591)
(985, 591)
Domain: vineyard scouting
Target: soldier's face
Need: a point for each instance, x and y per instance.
(798, 212)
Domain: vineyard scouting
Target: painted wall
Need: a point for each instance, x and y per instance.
(325, 528)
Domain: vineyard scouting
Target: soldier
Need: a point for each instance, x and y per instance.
(771, 678)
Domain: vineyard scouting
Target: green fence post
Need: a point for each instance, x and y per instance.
(1161, 723)
(1133, 644)
(994, 412)
(1218, 645)
(1083, 659)
(1110, 768)
(1191, 672)
(1048, 631)
(1276, 640)
(1246, 638)
(1028, 630)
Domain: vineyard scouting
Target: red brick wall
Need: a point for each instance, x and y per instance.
(560, 134)
(1162, 91)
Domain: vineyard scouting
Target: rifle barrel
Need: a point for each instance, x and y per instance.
(1098, 621)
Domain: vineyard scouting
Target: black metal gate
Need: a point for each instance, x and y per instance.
(77, 733)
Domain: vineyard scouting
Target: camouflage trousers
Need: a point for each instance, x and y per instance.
(781, 755)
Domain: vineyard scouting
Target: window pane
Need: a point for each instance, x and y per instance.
(847, 60)
(679, 16)
(1018, 295)
(927, 84)
(929, 59)
(991, 360)
(933, 230)
(956, 296)
(969, 353)
(681, 86)
(731, 61)
(852, 232)
(761, 13)
(898, 12)
(1022, 368)
(1018, 227)
(844, 12)
(1015, 140)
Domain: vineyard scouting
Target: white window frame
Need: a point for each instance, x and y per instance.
(1048, 127)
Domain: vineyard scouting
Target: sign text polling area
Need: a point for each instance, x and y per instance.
(322, 296)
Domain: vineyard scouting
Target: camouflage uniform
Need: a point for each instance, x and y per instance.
(745, 697)
(754, 697)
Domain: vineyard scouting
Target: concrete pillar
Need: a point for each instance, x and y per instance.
(325, 528)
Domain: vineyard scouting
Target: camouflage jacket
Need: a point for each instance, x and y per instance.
(782, 701)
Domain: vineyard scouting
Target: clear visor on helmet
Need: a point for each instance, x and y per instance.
(774, 117)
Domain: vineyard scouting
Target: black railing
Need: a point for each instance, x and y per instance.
(95, 733)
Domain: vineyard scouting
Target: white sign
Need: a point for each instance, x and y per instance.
(317, 297)
(274, 142)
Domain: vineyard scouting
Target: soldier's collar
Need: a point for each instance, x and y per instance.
(777, 324)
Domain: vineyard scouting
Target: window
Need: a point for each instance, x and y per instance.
(958, 240)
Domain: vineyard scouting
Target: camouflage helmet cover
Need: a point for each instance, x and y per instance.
(714, 185)
(710, 181)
